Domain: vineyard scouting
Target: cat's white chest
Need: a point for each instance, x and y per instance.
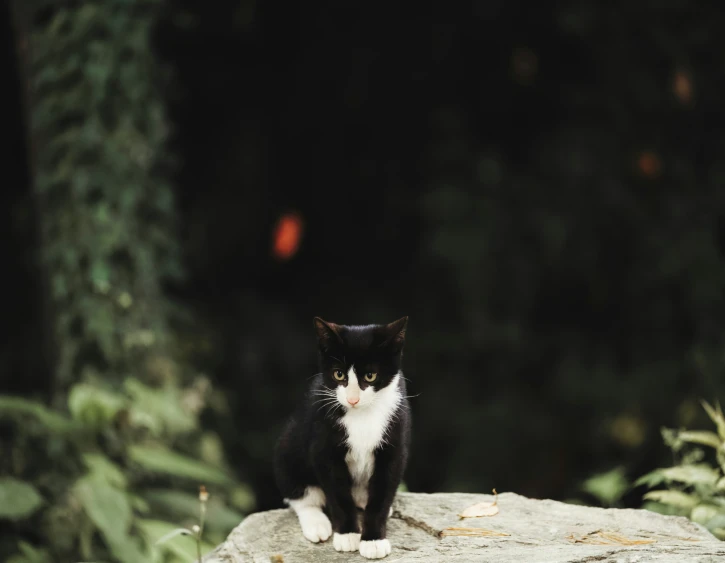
(366, 431)
(364, 435)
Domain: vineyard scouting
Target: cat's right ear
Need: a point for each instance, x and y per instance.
(328, 334)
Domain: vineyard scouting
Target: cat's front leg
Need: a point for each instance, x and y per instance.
(337, 484)
(381, 492)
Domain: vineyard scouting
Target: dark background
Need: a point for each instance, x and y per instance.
(538, 185)
(476, 166)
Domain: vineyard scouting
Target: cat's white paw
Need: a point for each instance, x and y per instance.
(346, 542)
(375, 549)
(315, 525)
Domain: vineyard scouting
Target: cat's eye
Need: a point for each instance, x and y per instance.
(337, 374)
(370, 377)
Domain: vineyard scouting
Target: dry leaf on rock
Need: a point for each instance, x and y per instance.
(482, 508)
(608, 538)
(471, 532)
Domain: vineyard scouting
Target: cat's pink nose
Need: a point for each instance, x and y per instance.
(353, 402)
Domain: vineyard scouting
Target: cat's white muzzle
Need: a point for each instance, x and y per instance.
(351, 396)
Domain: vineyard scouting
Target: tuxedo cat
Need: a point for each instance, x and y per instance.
(346, 446)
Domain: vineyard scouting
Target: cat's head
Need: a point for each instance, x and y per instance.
(358, 362)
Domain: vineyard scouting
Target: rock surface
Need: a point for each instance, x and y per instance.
(529, 530)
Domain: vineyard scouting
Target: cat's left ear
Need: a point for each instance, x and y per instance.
(394, 334)
(328, 334)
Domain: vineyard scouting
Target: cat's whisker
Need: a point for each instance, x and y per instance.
(326, 401)
(332, 410)
(323, 394)
(323, 405)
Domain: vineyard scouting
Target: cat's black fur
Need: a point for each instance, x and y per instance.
(312, 448)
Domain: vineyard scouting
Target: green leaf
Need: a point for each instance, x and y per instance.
(691, 474)
(182, 546)
(18, 499)
(102, 467)
(607, 487)
(176, 505)
(16, 407)
(100, 274)
(161, 460)
(139, 504)
(703, 513)
(242, 497)
(161, 408)
(92, 406)
(107, 507)
(717, 521)
(716, 415)
(172, 534)
(29, 554)
(651, 479)
(666, 509)
(671, 439)
(701, 437)
(674, 498)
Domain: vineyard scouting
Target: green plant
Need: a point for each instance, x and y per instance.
(197, 530)
(695, 485)
(103, 484)
(608, 487)
(96, 469)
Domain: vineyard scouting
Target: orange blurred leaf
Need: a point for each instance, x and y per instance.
(287, 236)
(649, 164)
(682, 86)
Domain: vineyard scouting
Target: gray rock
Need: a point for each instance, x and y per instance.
(542, 531)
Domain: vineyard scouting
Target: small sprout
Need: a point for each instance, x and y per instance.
(199, 530)
(195, 528)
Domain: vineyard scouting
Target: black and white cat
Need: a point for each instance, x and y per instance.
(346, 446)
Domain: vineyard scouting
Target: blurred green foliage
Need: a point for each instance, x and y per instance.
(103, 481)
(101, 183)
(111, 461)
(695, 485)
(608, 487)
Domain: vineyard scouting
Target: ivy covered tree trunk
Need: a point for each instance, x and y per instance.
(104, 202)
(119, 458)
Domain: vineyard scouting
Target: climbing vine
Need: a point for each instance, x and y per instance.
(114, 462)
